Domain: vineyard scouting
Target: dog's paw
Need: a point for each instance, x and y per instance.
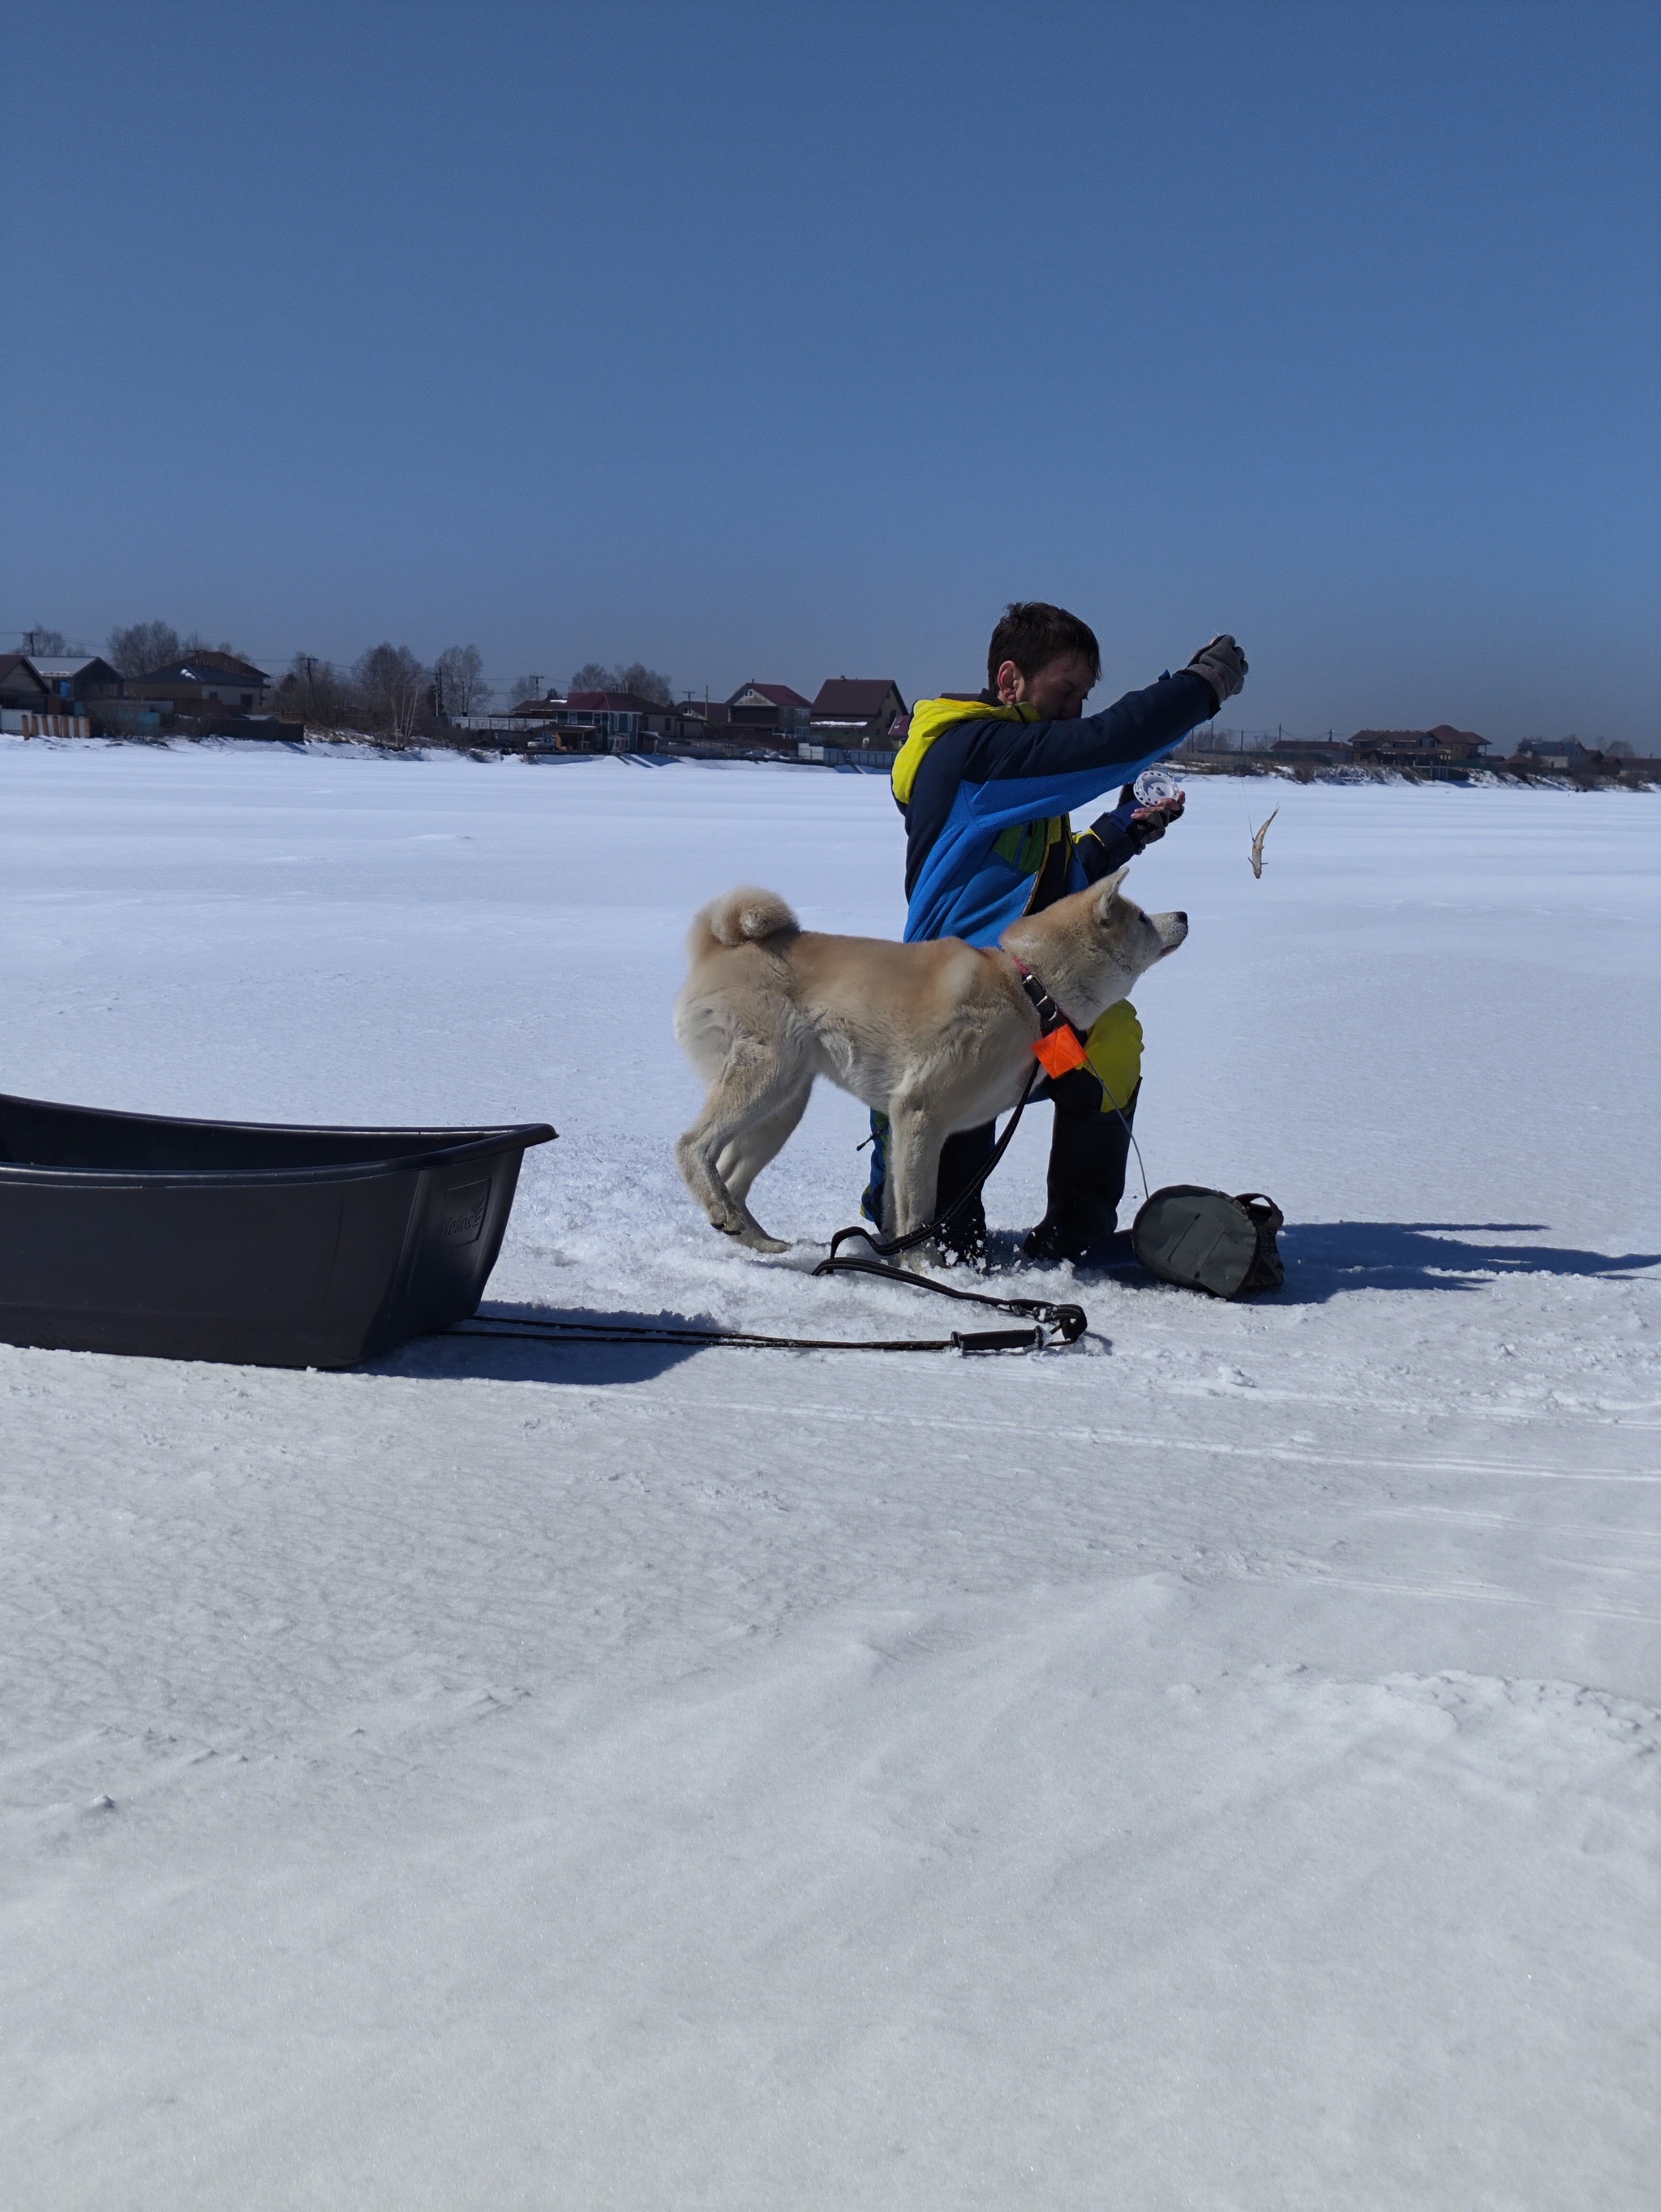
(752, 1239)
(758, 1240)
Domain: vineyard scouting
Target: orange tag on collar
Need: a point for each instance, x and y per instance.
(1060, 1052)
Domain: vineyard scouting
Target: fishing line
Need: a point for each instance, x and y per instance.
(1128, 1131)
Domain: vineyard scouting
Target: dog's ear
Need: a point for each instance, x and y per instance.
(1107, 889)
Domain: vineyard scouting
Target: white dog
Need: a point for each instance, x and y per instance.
(938, 1036)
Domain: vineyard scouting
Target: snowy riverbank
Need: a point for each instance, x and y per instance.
(1206, 1768)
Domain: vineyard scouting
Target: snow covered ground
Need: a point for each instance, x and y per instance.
(1212, 1768)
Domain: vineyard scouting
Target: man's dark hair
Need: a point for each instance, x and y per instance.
(1032, 633)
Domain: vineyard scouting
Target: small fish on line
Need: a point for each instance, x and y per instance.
(1258, 847)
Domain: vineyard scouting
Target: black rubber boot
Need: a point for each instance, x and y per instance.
(1087, 1155)
(962, 1159)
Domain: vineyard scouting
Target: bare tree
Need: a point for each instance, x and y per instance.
(392, 684)
(458, 684)
(525, 689)
(141, 646)
(636, 677)
(49, 644)
(645, 683)
(318, 693)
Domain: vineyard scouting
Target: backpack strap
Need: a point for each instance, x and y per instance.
(1267, 1269)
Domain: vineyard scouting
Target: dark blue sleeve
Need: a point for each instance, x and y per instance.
(1026, 770)
(1110, 842)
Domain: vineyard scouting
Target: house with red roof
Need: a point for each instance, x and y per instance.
(770, 710)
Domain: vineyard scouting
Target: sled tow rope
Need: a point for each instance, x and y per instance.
(1044, 1323)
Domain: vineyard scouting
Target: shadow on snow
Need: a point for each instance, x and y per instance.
(532, 1359)
(1325, 1258)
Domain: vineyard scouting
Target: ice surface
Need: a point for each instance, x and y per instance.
(1212, 1767)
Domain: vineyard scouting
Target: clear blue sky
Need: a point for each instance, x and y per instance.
(791, 341)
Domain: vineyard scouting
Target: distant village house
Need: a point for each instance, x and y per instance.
(39, 698)
(591, 722)
(78, 676)
(22, 684)
(202, 680)
(857, 711)
(1555, 753)
(774, 716)
(770, 709)
(1442, 747)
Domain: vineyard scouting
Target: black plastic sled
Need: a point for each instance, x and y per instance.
(273, 1245)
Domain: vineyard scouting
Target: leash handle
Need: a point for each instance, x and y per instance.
(999, 1339)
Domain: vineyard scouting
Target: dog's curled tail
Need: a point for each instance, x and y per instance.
(745, 916)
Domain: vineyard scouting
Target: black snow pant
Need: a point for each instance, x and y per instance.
(1089, 1147)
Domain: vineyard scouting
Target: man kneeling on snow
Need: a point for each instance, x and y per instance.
(985, 782)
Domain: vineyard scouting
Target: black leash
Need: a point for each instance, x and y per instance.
(1035, 1337)
(1067, 1322)
(1051, 1021)
(885, 1248)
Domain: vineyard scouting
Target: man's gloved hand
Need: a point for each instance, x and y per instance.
(1130, 828)
(1223, 666)
(1145, 825)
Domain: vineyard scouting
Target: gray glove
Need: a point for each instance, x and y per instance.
(1223, 666)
